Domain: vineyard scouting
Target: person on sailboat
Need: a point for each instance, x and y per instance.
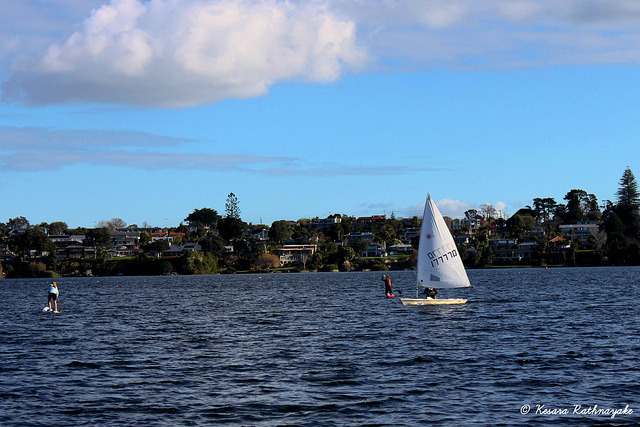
(53, 296)
(387, 285)
(430, 293)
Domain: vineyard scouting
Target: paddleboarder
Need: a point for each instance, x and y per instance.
(53, 296)
(387, 285)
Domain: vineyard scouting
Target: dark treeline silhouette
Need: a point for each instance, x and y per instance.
(578, 232)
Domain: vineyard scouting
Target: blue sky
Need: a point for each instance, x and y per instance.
(147, 110)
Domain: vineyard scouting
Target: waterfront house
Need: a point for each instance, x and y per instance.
(294, 254)
(75, 252)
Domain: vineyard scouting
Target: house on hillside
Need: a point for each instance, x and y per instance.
(195, 226)
(375, 250)
(168, 236)
(580, 231)
(6, 254)
(408, 233)
(325, 224)
(352, 237)
(62, 240)
(293, 254)
(75, 252)
(400, 249)
(505, 248)
(460, 225)
(262, 235)
(368, 220)
(176, 250)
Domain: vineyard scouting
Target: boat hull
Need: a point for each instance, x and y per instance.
(431, 301)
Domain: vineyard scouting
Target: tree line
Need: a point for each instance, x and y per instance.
(227, 244)
(616, 241)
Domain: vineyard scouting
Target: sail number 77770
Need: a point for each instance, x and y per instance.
(442, 254)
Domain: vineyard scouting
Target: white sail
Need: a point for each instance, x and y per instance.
(439, 263)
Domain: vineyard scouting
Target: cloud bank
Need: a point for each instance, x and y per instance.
(469, 35)
(31, 149)
(180, 53)
(36, 149)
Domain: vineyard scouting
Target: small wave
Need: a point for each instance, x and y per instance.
(78, 364)
(6, 396)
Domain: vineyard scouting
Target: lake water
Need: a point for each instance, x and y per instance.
(323, 349)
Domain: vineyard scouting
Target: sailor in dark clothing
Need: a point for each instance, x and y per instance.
(430, 293)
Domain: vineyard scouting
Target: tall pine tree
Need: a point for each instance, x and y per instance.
(622, 222)
(628, 195)
(231, 207)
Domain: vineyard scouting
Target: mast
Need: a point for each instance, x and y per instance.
(421, 247)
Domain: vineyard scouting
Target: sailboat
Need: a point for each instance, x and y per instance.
(439, 262)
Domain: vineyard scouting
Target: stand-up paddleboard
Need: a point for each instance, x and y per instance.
(47, 309)
(431, 301)
(390, 296)
(439, 263)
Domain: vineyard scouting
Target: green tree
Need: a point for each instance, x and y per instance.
(628, 204)
(34, 239)
(231, 228)
(247, 252)
(621, 222)
(145, 238)
(58, 227)
(231, 207)
(204, 216)
(520, 223)
(19, 222)
(213, 245)
(360, 245)
(628, 195)
(327, 253)
(383, 232)
(98, 237)
(346, 255)
(336, 233)
(157, 247)
(470, 214)
(280, 231)
(544, 208)
(301, 234)
(575, 211)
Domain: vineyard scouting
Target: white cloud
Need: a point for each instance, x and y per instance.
(454, 208)
(177, 53)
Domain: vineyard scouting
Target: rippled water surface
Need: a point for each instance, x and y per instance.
(321, 349)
